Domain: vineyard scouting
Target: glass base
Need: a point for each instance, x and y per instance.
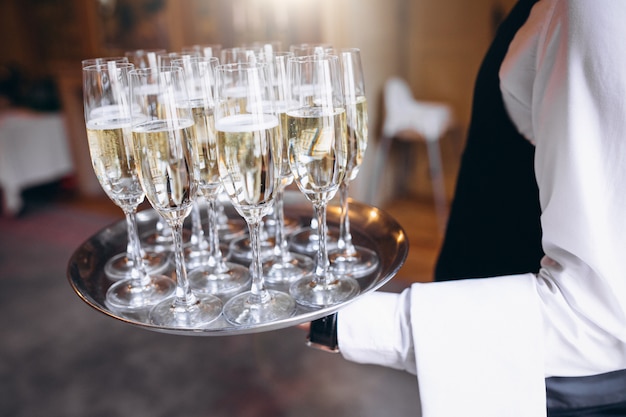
(121, 266)
(308, 292)
(306, 240)
(197, 258)
(240, 311)
(240, 249)
(209, 280)
(283, 271)
(200, 314)
(357, 265)
(155, 241)
(126, 295)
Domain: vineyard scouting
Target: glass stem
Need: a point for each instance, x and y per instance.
(321, 259)
(138, 272)
(215, 253)
(344, 242)
(197, 233)
(161, 226)
(222, 218)
(280, 245)
(258, 292)
(184, 296)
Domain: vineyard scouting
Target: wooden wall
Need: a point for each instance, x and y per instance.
(437, 45)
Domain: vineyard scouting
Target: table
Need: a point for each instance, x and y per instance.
(33, 151)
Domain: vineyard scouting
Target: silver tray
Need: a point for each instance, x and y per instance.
(370, 227)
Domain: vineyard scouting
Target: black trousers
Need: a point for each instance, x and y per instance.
(590, 396)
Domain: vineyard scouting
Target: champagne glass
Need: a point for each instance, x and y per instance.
(160, 239)
(285, 266)
(306, 240)
(347, 258)
(318, 156)
(107, 119)
(121, 266)
(196, 253)
(249, 161)
(163, 134)
(240, 248)
(215, 275)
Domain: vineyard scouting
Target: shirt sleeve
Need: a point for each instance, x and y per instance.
(475, 345)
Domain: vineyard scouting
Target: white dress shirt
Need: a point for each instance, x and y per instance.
(483, 347)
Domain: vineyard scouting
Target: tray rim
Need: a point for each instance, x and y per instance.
(292, 201)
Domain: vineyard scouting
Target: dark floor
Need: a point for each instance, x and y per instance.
(59, 357)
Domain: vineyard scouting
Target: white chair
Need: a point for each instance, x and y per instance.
(410, 120)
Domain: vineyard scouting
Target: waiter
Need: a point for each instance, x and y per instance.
(539, 220)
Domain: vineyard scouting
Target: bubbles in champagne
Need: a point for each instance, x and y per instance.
(205, 149)
(249, 160)
(357, 135)
(317, 149)
(112, 161)
(164, 160)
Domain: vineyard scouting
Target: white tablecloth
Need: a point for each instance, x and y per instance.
(33, 151)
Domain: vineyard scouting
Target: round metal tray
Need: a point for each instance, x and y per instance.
(370, 227)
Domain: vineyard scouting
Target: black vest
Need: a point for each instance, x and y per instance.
(494, 226)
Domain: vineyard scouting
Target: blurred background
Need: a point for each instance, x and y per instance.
(436, 46)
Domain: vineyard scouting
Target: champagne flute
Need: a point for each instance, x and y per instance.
(215, 275)
(196, 248)
(249, 161)
(306, 240)
(240, 248)
(161, 238)
(108, 121)
(357, 261)
(318, 156)
(285, 266)
(121, 265)
(163, 134)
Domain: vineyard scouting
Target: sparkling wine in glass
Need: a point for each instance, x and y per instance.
(347, 258)
(108, 122)
(214, 275)
(318, 157)
(163, 134)
(284, 266)
(160, 239)
(121, 265)
(306, 240)
(249, 160)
